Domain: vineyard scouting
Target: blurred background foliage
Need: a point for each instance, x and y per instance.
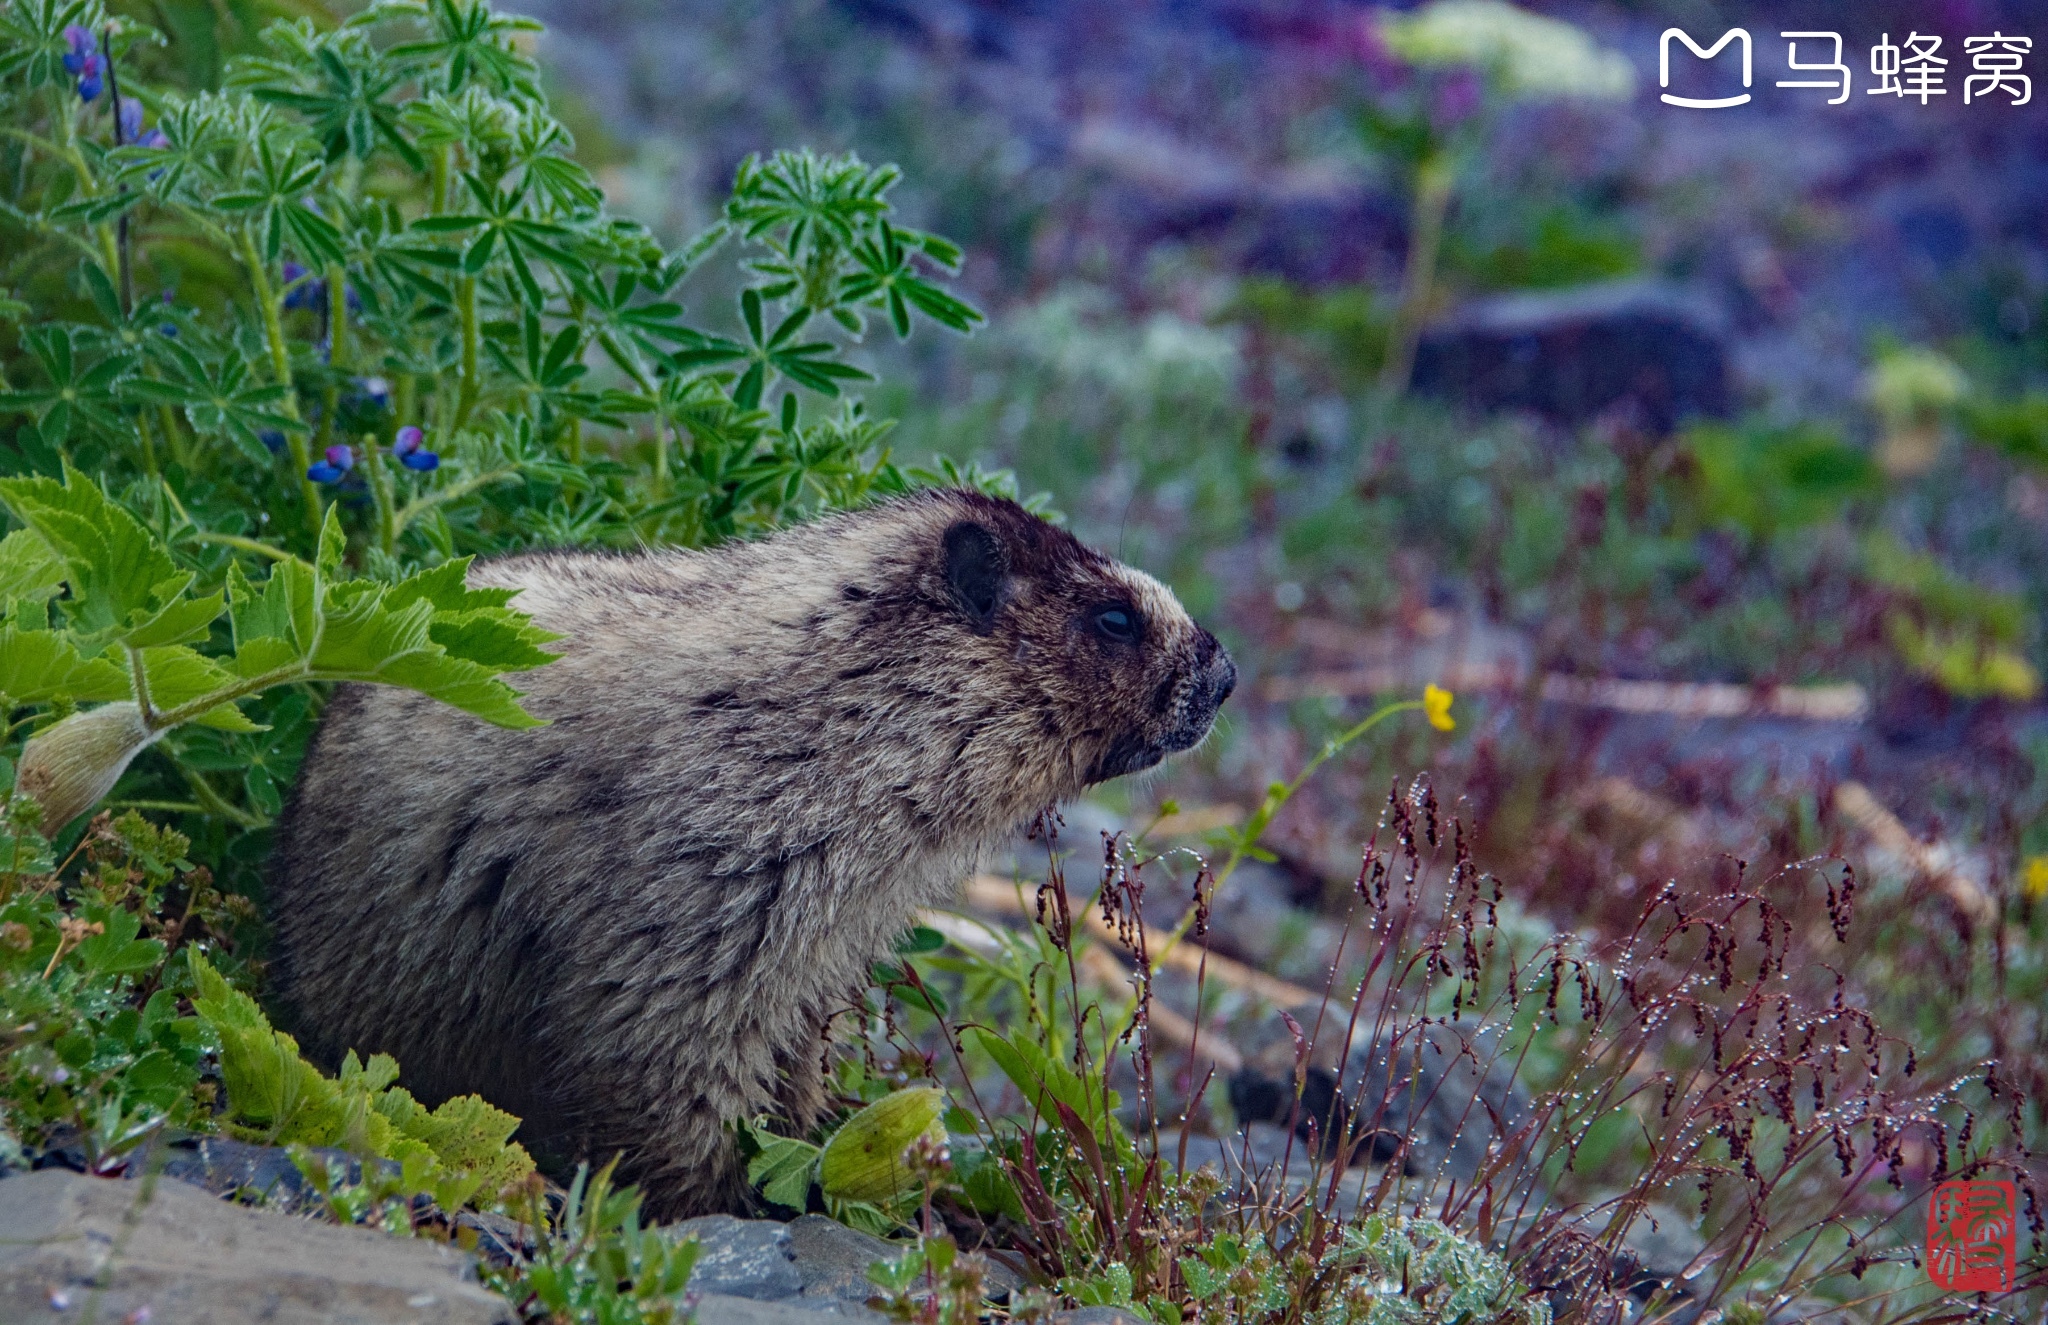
(1411, 350)
(1744, 399)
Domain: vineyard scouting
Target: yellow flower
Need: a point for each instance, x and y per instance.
(2036, 880)
(1436, 706)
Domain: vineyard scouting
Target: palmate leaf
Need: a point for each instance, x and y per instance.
(28, 569)
(886, 277)
(42, 666)
(78, 393)
(122, 581)
(223, 398)
(335, 81)
(801, 202)
(275, 192)
(468, 42)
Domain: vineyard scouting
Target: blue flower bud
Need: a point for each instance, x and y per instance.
(82, 48)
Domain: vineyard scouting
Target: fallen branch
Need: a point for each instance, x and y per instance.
(1934, 863)
(987, 892)
(1104, 971)
(1686, 699)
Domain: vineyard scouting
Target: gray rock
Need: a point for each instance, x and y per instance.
(1098, 1316)
(833, 1260)
(1575, 354)
(751, 1258)
(721, 1309)
(67, 1240)
(1448, 1091)
(227, 1167)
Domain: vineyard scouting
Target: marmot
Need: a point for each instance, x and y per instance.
(630, 925)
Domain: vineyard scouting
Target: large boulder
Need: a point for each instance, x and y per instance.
(168, 1253)
(1640, 348)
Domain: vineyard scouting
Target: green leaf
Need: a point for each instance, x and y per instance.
(783, 1169)
(116, 950)
(28, 568)
(178, 675)
(269, 1086)
(39, 666)
(1046, 1083)
(492, 636)
(285, 612)
(119, 574)
(864, 1160)
(180, 622)
(919, 938)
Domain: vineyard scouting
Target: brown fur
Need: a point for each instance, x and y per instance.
(630, 925)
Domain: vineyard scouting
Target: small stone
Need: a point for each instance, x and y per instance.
(189, 1258)
(833, 1259)
(719, 1309)
(751, 1258)
(1098, 1316)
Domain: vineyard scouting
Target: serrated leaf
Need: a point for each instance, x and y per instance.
(28, 568)
(286, 610)
(117, 570)
(178, 675)
(180, 622)
(783, 1169)
(228, 718)
(39, 666)
(494, 637)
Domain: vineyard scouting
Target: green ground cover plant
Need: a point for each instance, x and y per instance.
(288, 342)
(290, 335)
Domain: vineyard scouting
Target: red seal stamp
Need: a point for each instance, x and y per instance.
(1973, 1235)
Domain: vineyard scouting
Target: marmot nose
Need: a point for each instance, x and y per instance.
(1222, 677)
(1218, 672)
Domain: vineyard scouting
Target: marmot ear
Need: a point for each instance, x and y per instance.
(975, 565)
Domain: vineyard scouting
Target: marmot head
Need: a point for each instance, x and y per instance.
(1101, 657)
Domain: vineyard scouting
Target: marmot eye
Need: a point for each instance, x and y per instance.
(1117, 623)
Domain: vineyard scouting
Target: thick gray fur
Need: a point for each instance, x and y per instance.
(630, 926)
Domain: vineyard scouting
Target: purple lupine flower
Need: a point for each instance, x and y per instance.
(131, 119)
(154, 138)
(83, 47)
(89, 81)
(322, 472)
(410, 448)
(271, 438)
(341, 456)
(301, 292)
(375, 390)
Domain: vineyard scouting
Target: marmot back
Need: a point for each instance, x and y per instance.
(630, 925)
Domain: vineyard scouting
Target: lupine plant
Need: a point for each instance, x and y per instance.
(276, 360)
(303, 342)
